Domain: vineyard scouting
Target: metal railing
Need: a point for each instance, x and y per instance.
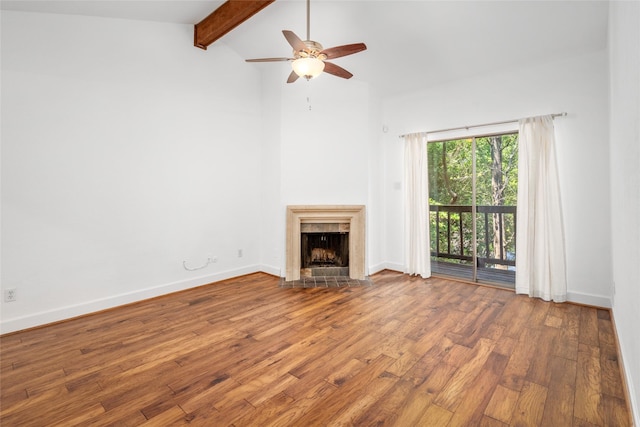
(453, 231)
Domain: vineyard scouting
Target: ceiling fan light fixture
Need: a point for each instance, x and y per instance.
(309, 56)
(308, 68)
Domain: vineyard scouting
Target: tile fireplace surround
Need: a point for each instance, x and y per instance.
(354, 215)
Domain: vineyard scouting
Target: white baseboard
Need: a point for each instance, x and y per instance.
(589, 299)
(274, 271)
(373, 269)
(626, 373)
(385, 266)
(69, 312)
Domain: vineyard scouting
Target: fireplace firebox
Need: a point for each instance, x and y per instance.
(324, 250)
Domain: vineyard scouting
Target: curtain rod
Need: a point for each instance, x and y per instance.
(554, 115)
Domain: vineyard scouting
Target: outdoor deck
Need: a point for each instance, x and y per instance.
(494, 276)
(451, 253)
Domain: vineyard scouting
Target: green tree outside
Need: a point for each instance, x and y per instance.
(451, 183)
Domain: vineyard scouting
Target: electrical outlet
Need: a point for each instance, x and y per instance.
(10, 295)
(239, 253)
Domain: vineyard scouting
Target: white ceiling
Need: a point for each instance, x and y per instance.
(411, 44)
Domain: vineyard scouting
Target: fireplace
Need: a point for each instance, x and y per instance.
(325, 240)
(324, 249)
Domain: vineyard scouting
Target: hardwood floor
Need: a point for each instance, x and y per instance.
(245, 352)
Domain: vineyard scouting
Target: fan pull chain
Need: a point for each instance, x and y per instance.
(309, 102)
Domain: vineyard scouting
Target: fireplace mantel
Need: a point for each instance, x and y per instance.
(354, 215)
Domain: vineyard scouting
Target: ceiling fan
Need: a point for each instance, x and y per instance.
(310, 58)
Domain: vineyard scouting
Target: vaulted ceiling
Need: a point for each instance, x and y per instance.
(411, 44)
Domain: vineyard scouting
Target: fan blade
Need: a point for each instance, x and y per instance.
(292, 77)
(294, 40)
(347, 49)
(336, 70)
(269, 59)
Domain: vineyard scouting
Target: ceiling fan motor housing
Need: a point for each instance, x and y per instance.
(313, 50)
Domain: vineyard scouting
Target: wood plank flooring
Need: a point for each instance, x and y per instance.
(246, 352)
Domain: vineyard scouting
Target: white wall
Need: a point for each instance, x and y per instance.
(125, 151)
(272, 240)
(318, 154)
(325, 142)
(624, 49)
(577, 85)
(376, 201)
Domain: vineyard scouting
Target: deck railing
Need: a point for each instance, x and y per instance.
(452, 231)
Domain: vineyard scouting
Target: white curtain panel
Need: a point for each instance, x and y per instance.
(416, 206)
(540, 246)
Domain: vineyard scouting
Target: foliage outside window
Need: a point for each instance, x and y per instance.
(451, 187)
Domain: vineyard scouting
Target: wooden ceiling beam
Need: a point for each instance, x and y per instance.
(224, 19)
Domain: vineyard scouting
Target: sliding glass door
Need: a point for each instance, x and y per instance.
(450, 204)
(472, 200)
